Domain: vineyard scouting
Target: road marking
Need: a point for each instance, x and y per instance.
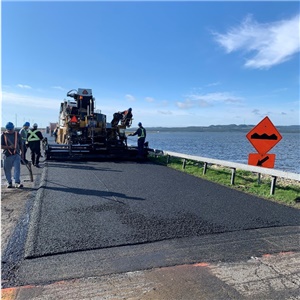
(202, 264)
(9, 293)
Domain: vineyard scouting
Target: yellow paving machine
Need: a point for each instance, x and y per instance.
(83, 133)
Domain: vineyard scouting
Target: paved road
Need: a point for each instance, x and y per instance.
(91, 220)
(85, 206)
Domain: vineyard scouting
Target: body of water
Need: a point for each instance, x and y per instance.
(229, 146)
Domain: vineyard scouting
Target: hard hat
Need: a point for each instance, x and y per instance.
(26, 124)
(140, 124)
(130, 109)
(9, 126)
(35, 125)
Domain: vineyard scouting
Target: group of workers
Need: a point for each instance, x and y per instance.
(126, 119)
(14, 145)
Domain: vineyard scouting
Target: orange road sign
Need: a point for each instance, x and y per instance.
(264, 136)
(261, 160)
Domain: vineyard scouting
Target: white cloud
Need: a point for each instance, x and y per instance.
(163, 103)
(149, 99)
(19, 108)
(272, 43)
(213, 84)
(130, 98)
(29, 101)
(165, 112)
(205, 100)
(186, 104)
(58, 88)
(256, 112)
(24, 86)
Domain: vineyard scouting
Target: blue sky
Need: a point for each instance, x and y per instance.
(175, 63)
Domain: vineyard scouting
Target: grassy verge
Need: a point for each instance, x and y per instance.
(286, 192)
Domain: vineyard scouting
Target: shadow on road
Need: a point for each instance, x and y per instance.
(88, 192)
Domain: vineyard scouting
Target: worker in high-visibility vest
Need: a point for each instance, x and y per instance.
(11, 144)
(24, 132)
(34, 139)
(141, 133)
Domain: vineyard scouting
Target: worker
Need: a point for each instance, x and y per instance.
(116, 118)
(141, 133)
(11, 144)
(127, 117)
(34, 139)
(24, 132)
(55, 131)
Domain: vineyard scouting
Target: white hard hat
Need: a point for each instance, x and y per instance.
(35, 125)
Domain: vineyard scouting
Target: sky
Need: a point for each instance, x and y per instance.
(176, 64)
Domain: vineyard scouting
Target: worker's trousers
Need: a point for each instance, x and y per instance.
(9, 162)
(141, 142)
(35, 147)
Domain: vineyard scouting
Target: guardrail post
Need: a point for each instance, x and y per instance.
(232, 176)
(273, 183)
(254, 169)
(184, 163)
(204, 168)
(258, 178)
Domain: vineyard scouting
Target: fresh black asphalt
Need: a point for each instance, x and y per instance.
(95, 205)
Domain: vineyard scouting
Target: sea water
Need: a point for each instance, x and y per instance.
(229, 146)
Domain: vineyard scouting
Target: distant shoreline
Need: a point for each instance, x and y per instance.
(211, 128)
(219, 128)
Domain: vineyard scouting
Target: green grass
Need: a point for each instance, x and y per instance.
(285, 192)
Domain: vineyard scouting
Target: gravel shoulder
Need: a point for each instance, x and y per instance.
(13, 201)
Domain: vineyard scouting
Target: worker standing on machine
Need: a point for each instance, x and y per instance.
(127, 117)
(34, 138)
(141, 133)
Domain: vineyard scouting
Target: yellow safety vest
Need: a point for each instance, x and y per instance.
(143, 133)
(32, 136)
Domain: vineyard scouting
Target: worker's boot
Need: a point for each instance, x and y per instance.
(37, 162)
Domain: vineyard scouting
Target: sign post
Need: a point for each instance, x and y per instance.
(263, 137)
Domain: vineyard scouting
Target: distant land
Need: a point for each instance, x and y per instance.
(212, 128)
(222, 128)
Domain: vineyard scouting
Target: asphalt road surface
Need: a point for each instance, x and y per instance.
(101, 218)
(84, 206)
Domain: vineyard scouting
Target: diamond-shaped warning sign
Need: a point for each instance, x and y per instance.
(264, 136)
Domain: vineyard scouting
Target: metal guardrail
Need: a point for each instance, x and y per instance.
(233, 166)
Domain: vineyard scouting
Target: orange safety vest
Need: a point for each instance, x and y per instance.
(16, 140)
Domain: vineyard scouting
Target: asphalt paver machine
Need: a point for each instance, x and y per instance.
(83, 133)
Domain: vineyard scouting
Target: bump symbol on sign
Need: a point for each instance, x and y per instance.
(264, 136)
